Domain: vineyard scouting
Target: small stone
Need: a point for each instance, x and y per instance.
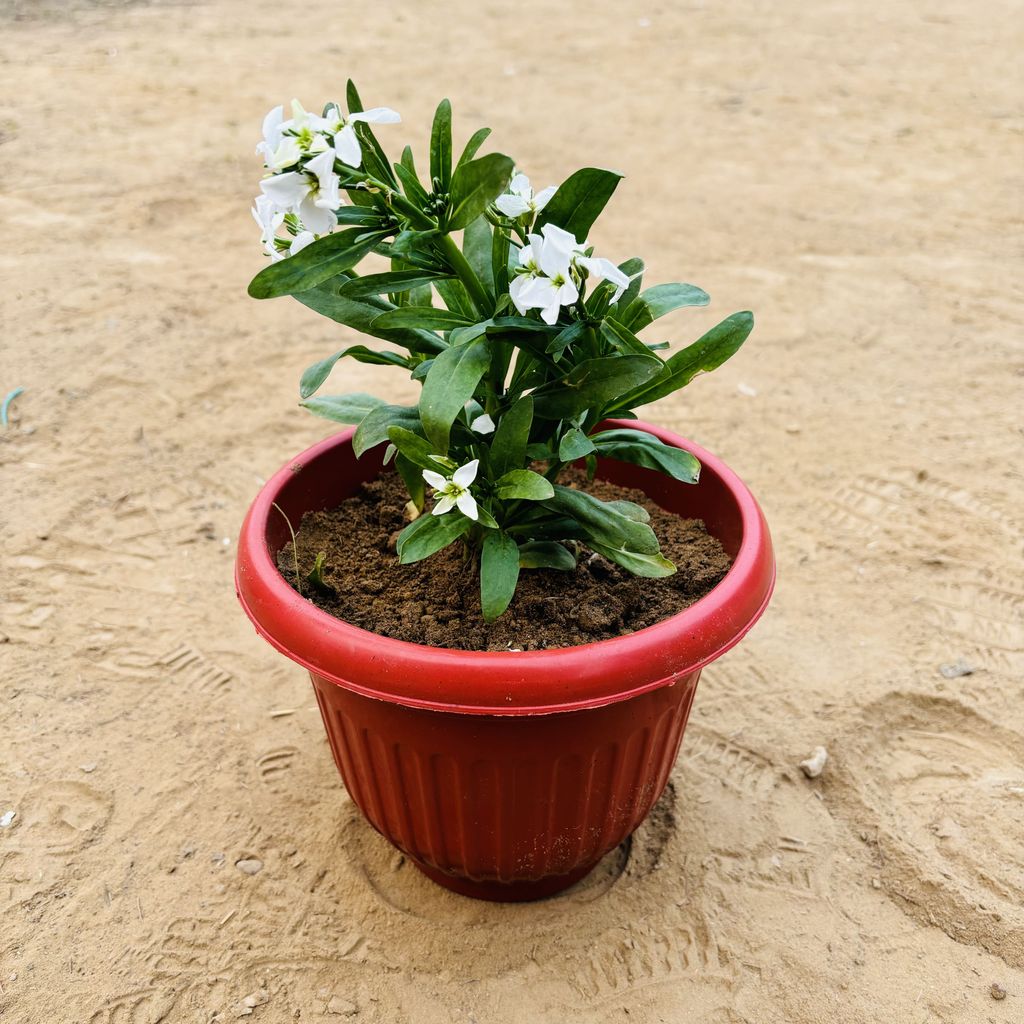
(88, 768)
(997, 991)
(746, 389)
(876, 883)
(257, 998)
(815, 764)
(956, 669)
(342, 1007)
(249, 865)
(7, 819)
(792, 428)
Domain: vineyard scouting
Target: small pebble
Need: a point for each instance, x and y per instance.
(249, 865)
(792, 428)
(746, 389)
(876, 883)
(956, 669)
(997, 991)
(88, 768)
(342, 1007)
(815, 764)
(7, 819)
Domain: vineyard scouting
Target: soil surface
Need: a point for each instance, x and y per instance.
(437, 601)
(175, 842)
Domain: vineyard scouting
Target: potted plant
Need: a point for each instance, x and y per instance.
(503, 774)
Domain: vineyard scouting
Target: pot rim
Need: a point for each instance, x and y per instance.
(506, 682)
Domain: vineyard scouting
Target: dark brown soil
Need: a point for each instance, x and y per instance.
(437, 601)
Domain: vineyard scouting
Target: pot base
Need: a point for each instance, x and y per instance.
(505, 892)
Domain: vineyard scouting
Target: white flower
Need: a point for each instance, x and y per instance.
(269, 217)
(454, 492)
(272, 131)
(312, 193)
(482, 424)
(546, 282)
(604, 270)
(520, 199)
(339, 125)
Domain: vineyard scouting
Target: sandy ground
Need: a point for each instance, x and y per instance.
(850, 171)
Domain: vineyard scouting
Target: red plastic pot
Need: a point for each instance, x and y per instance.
(505, 775)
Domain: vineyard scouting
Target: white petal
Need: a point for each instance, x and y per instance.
(287, 154)
(465, 475)
(435, 480)
(315, 218)
(539, 291)
(302, 239)
(272, 129)
(526, 256)
(561, 238)
(568, 293)
(347, 145)
(467, 505)
(516, 290)
(550, 313)
(512, 206)
(286, 190)
(377, 115)
(483, 425)
(446, 504)
(540, 200)
(520, 185)
(323, 167)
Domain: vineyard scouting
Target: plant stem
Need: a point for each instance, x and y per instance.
(466, 275)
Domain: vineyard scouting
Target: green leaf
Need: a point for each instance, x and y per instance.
(373, 430)
(643, 449)
(704, 355)
(634, 270)
(574, 445)
(593, 383)
(661, 299)
(524, 483)
(316, 575)
(601, 523)
(343, 408)
(318, 262)
(565, 338)
(428, 534)
(406, 172)
(463, 335)
(653, 566)
(541, 554)
(631, 510)
(450, 383)
(475, 185)
(412, 477)
(359, 216)
(476, 246)
(423, 317)
(579, 201)
(499, 573)
(476, 140)
(512, 435)
(378, 284)
(415, 448)
(360, 315)
(441, 145)
(375, 160)
(352, 100)
(622, 338)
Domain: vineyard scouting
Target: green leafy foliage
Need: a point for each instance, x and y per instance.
(514, 385)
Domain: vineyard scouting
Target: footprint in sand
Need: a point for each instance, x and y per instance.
(941, 790)
(61, 817)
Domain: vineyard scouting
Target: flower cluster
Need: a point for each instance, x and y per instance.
(550, 269)
(525, 344)
(301, 189)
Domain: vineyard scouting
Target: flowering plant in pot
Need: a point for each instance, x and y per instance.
(505, 775)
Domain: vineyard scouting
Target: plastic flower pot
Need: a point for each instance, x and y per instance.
(505, 775)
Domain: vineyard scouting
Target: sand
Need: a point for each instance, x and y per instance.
(850, 171)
